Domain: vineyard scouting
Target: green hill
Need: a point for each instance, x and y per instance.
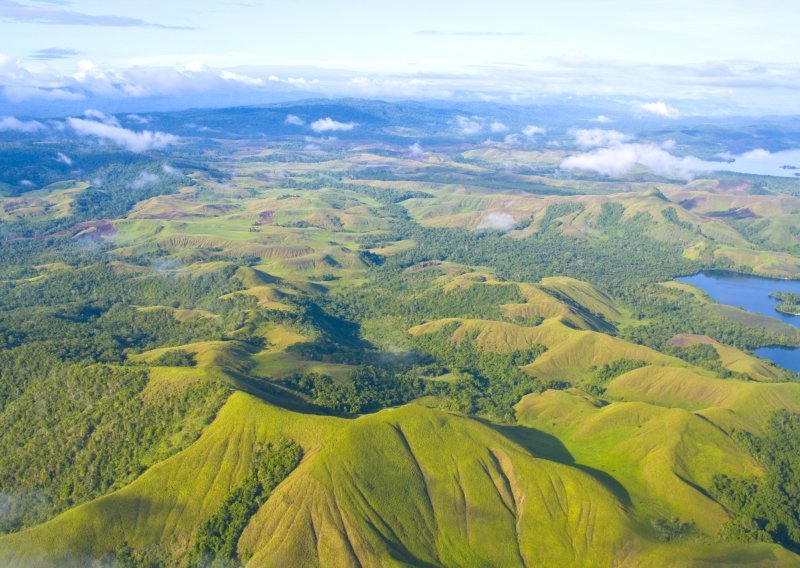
(408, 486)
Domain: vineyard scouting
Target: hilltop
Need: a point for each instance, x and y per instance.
(398, 345)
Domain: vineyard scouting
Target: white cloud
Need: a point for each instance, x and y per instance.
(621, 159)
(53, 14)
(416, 151)
(16, 125)
(170, 171)
(469, 126)
(602, 119)
(294, 120)
(231, 76)
(596, 137)
(63, 158)
(757, 154)
(94, 114)
(22, 93)
(144, 180)
(138, 119)
(660, 108)
(140, 141)
(329, 125)
(498, 127)
(531, 130)
(498, 222)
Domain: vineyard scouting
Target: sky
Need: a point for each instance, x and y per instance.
(709, 56)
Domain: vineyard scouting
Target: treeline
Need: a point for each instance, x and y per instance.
(367, 389)
(623, 256)
(415, 297)
(767, 509)
(488, 383)
(69, 433)
(216, 539)
(666, 312)
(607, 373)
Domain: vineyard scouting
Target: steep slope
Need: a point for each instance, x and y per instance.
(571, 353)
(729, 403)
(436, 490)
(169, 501)
(411, 486)
(665, 458)
(733, 359)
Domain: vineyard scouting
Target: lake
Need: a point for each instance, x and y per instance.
(782, 164)
(751, 293)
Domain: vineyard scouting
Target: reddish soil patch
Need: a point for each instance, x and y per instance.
(165, 216)
(94, 230)
(266, 217)
(732, 185)
(687, 340)
(423, 265)
(743, 213)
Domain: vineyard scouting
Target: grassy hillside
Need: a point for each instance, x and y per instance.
(481, 360)
(451, 491)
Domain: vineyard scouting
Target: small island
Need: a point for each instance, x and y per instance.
(789, 303)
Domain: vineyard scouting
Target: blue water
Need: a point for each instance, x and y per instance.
(782, 164)
(751, 293)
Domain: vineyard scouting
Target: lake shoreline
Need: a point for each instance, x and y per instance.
(754, 294)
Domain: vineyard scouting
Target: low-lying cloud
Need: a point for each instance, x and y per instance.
(145, 180)
(532, 130)
(294, 120)
(469, 126)
(498, 127)
(135, 141)
(13, 124)
(620, 159)
(415, 151)
(61, 157)
(660, 108)
(497, 222)
(595, 137)
(138, 119)
(329, 125)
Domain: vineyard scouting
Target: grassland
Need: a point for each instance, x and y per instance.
(548, 431)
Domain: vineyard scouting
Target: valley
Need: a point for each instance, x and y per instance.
(390, 348)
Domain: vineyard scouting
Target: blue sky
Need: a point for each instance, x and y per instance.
(708, 54)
